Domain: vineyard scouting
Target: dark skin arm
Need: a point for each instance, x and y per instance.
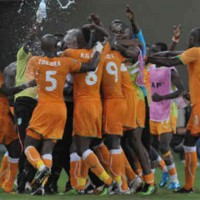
(175, 37)
(129, 43)
(14, 90)
(163, 61)
(175, 78)
(96, 27)
(128, 52)
(68, 91)
(168, 53)
(92, 65)
(131, 17)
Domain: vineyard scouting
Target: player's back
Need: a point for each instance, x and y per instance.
(86, 85)
(111, 78)
(50, 74)
(127, 83)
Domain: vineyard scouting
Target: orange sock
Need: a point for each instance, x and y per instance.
(4, 167)
(47, 159)
(10, 174)
(83, 175)
(190, 166)
(162, 164)
(95, 166)
(34, 157)
(149, 179)
(116, 165)
(139, 168)
(103, 155)
(124, 185)
(129, 173)
(75, 166)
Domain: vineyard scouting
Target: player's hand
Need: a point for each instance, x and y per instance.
(31, 84)
(186, 95)
(156, 97)
(93, 18)
(89, 26)
(176, 33)
(129, 13)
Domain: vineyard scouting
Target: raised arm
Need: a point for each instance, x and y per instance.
(175, 37)
(131, 17)
(137, 32)
(92, 65)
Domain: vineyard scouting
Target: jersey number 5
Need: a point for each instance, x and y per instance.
(52, 80)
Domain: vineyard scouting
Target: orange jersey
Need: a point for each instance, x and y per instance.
(7, 128)
(85, 84)
(50, 74)
(191, 57)
(111, 78)
(4, 104)
(127, 84)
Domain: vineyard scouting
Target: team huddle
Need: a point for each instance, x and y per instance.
(100, 104)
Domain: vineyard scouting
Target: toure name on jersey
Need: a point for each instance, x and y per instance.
(49, 63)
(110, 56)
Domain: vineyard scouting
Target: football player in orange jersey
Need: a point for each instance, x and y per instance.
(191, 58)
(8, 134)
(87, 124)
(134, 132)
(49, 117)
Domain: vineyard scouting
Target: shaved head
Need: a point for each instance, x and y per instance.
(196, 33)
(194, 37)
(48, 42)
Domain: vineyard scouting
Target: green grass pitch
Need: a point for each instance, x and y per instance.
(160, 194)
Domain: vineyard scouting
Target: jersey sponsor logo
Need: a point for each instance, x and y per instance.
(157, 85)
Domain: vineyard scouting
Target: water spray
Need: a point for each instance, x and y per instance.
(69, 2)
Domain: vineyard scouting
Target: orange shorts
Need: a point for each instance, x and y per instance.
(135, 114)
(194, 122)
(157, 128)
(114, 111)
(88, 118)
(8, 131)
(48, 120)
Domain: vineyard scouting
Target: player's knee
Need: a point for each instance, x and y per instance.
(164, 149)
(81, 150)
(14, 149)
(113, 141)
